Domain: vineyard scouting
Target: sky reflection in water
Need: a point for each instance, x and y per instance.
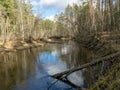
(47, 63)
(34, 68)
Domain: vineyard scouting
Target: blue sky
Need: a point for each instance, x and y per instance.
(48, 8)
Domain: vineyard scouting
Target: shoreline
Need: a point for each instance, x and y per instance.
(25, 45)
(12, 46)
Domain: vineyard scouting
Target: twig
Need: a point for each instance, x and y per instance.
(94, 62)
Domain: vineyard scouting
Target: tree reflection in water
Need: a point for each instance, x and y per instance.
(31, 69)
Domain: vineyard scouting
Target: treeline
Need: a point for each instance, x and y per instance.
(91, 17)
(16, 18)
(17, 22)
(88, 22)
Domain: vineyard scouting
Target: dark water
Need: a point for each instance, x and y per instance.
(31, 69)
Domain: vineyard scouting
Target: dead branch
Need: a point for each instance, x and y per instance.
(94, 62)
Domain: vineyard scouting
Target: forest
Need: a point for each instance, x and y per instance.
(92, 17)
(93, 23)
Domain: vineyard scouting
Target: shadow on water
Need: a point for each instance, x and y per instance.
(31, 69)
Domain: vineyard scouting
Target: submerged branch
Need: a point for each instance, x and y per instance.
(94, 62)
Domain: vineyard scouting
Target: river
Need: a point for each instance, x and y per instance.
(31, 69)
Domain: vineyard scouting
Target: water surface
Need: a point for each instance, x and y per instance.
(31, 69)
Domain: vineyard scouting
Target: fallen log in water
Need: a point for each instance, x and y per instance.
(94, 62)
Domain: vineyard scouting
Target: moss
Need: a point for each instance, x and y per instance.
(109, 80)
(115, 85)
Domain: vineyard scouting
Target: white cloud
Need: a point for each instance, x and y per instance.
(57, 3)
(34, 3)
(73, 1)
(48, 3)
(53, 3)
(35, 14)
(50, 17)
(51, 7)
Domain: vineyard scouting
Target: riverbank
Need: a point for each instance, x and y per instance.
(12, 46)
(110, 70)
(97, 46)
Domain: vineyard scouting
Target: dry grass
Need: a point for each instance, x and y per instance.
(12, 44)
